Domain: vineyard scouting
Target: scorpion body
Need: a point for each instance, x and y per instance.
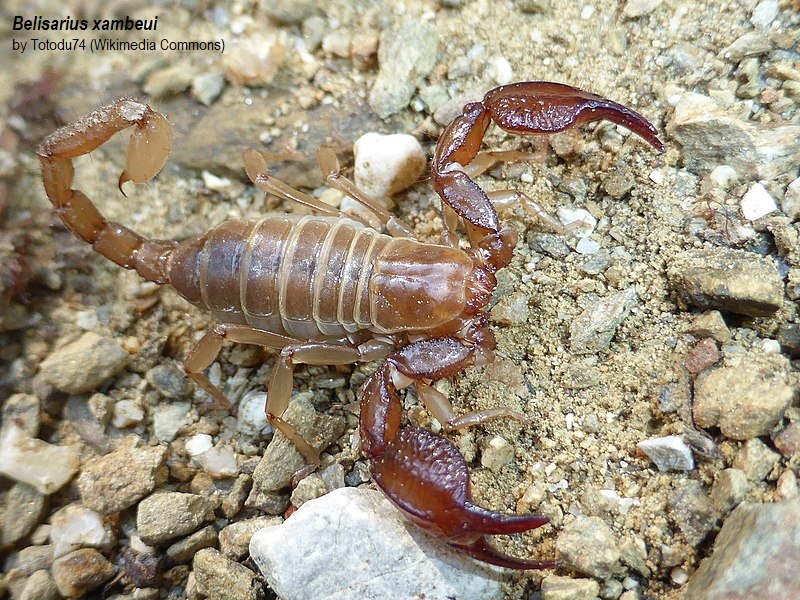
(327, 289)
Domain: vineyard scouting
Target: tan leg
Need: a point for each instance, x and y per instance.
(329, 165)
(280, 385)
(440, 407)
(207, 349)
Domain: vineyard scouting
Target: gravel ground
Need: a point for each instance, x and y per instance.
(657, 356)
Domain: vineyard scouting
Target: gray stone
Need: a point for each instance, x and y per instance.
(169, 381)
(220, 577)
(289, 11)
(752, 43)
(730, 488)
(728, 280)
(118, 480)
(405, 56)
(692, 510)
(745, 398)
(639, 8)
(588, 546)
(377, 554)
(81, 571)
(23, 411)
(169, 419)
(207, 87)
(281, 460)
(755, 459)
(592, 330)
(163, 517)
(24, 506)
(754, 557)
(85, 364)
(183, 551)
(709, 137)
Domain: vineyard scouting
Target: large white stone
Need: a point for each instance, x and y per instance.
(353, 543)
(387, 164)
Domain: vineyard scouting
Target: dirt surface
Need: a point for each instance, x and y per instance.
(589, 404)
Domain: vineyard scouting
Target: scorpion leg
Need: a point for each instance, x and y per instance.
(534, 107)
(424, 474)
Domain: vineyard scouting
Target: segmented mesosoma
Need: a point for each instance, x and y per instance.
(327, 289)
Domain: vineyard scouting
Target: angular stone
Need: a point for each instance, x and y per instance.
(728, 280)
(588, 546)
(81, 571)
(220, 577)
(593, 329)
(166, 516)
(118, 480)
(744, 399)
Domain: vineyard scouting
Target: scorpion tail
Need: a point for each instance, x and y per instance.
(147, 152)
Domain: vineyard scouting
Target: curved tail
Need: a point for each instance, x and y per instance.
(147, 152)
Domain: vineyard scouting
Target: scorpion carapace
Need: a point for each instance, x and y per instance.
(328, 289)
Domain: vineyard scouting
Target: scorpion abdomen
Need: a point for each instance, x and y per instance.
(312, 277)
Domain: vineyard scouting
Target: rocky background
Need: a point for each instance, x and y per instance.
(655, 350)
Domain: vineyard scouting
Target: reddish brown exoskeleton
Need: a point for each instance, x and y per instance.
(327, 289)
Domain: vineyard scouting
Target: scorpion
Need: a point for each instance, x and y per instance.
(327, 289)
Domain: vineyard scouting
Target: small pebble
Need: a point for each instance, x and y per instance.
(588, 546)
(755, 459)
(252, 418)
(788, 440)
(757, 202)
(568, 588)
(219, 577)
(169, 419)
(387, 164)
(729, 489)
(85, 364)
(710, 324)
(692, 510)
(499, 70)
(723, 176)
(668, 453)
(308, 488)
(497, 453)
(207, 87)
(126, 413)
(703, 355)
(40, 586)
(198, 444)
(219, 461)
(118, 480)
(234, 539)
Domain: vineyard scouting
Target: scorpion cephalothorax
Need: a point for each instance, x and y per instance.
(327, 289)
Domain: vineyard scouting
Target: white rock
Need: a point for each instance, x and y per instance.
(757, 202)
(76, 526)
(252, 418)
(199, 444)
(587, 245)
(584, 222)
(35, 462)
(219, 461)
(669, 453)
(387, 164)
(376, 553)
